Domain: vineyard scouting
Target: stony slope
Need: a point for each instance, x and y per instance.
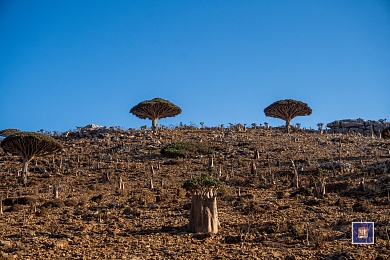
(261, 217)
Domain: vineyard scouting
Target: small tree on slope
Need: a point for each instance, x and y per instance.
(204, 212)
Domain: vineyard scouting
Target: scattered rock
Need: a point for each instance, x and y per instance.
(97, 198)
(71, 202)
(201, 236)
(233, 239)
(362, 206)
(61, 244)
(359, 125)
(5, 243)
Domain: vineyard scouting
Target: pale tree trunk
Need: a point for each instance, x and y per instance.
(23, 176)
(295, 181)
(55, 192)
(203, 214)
(154, 124)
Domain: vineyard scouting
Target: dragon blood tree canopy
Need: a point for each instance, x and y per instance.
(155, 109)
(29, 145)
(287, 109)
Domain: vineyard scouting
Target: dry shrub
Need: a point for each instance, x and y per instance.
(71, 202)
(336, 186)
(181, 193)
(362, 206)
(317, 238)
(20, 200)
(302, 191)
(42, 212)
(233, 239)
(298, 230)
(132, 213)
(340, 202)
(15, 207)
(312, 202)
(83, 201)
(56, 203)
(268, 227)
(164, 197)
(142, 198)
(173, 162)
(280, 194)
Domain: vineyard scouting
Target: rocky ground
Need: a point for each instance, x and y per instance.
(261, 215)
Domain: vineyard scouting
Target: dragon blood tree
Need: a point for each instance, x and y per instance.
(204, 212)
(29, 145)
(287, 110)
(155, 109)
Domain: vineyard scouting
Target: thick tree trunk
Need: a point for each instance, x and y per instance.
(288, 126)
(196, 212)
(154, 124)
(23, 176)
(203, 215)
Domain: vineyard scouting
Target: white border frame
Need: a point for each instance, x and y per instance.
(373, 232)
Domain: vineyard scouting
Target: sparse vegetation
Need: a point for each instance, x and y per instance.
(185, 149)
(261, 216)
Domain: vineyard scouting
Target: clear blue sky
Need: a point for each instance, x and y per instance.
(71, 63)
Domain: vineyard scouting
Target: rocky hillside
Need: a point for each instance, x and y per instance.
(261, 215)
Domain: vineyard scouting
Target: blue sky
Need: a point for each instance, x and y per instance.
(71, 63)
